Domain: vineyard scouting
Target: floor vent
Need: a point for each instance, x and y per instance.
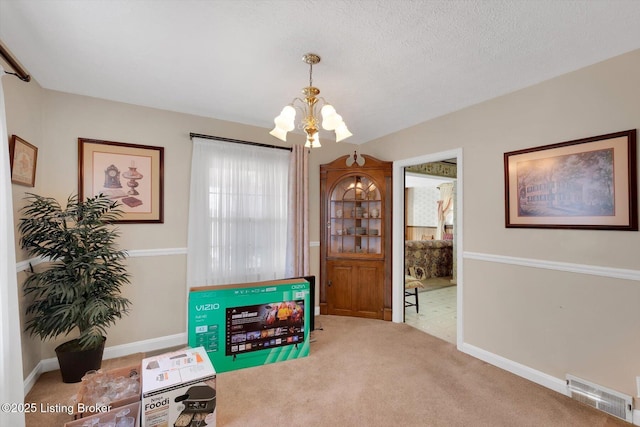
(610, 401)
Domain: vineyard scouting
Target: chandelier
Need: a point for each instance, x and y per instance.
(308, 106)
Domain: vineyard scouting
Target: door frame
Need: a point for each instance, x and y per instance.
(398, 234)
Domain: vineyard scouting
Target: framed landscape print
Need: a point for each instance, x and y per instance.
(588, 183)
(23, 158)
(128, 173)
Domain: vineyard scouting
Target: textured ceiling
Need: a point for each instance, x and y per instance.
(386, 65)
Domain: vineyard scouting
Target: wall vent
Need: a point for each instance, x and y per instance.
(607, 400)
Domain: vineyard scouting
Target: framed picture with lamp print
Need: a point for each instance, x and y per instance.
(131, 174)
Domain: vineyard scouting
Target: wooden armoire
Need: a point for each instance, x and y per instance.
(355, 237)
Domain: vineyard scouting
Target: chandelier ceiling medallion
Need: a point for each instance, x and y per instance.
(308, 106)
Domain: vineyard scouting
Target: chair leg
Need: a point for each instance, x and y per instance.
(408, 293)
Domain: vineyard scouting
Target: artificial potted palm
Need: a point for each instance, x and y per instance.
(80, 289)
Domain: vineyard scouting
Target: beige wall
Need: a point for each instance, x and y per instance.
(23, 103)
(552, 321)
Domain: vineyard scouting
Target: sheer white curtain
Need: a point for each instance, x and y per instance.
(11, 383)
(237, 213)
(445, 204)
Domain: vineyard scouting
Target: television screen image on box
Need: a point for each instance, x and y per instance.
(264, 326)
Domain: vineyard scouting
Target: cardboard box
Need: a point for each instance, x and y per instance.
(251, 324)
(179, 389)
(85, 407)
(116, 413)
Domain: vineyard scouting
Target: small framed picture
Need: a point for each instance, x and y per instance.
(23, 158)
(131, 174)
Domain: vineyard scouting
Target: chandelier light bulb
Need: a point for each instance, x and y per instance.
(281, 134)
(286, 119)
(334, 122)
(289, 113)
(313, 142)
(330, 119)
(285, 122)
(342, 132)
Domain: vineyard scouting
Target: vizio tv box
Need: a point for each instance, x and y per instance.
(251, 324)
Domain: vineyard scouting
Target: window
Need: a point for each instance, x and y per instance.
(237, 214)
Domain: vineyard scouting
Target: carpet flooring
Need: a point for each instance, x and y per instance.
(365, 372)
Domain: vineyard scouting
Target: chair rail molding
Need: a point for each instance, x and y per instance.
(594, 270)
(134, 253)
(131, 253)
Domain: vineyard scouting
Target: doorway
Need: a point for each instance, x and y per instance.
(451, 294)
(430, 297)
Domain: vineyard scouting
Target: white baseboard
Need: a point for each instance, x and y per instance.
(31, 379)
(635, 416)
(144, 346)
(121, 350)
(545, 380)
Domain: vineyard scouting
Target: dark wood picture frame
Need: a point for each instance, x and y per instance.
(129, 173)
(23, 158)
(588, 183)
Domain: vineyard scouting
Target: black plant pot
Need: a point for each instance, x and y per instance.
(74, 363)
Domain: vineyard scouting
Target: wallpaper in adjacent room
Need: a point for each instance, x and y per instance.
(422, 206)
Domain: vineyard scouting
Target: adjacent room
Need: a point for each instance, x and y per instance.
(430, 281)
(339, 212)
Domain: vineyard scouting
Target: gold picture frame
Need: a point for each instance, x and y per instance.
(587, 183)
(23, 158)
(131, 174)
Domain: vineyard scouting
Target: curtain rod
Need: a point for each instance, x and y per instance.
(20, 73)
(237, 141)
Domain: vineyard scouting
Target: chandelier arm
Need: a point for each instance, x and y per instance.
(300, 105)
(302, 109)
